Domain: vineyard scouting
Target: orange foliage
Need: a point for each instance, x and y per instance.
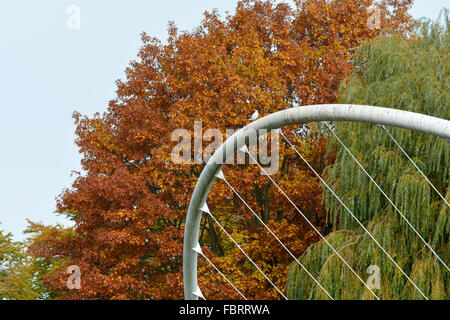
(129, 206)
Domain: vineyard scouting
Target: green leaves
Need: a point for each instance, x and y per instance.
(410, 74)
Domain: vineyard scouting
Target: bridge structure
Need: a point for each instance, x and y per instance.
(383, 117)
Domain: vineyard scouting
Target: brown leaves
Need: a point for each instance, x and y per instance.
(130, 204)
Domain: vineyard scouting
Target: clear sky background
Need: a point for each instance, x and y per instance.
(47, 71)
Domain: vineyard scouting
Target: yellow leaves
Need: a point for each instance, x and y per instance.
(263, 57)
(101, 138)
(126, 215)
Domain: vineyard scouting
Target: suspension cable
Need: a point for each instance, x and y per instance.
(390, 201)
(309, 222)
(351, 213)
(273, 234)
(206, 210)
(414, 164)
(198, 249)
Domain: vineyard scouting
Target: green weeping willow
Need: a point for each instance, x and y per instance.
(409, 74)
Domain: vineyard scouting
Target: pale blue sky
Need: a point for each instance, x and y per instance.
(47, 71)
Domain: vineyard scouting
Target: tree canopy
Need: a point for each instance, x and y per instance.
(409, 74)
(130, 201)
(17, 271)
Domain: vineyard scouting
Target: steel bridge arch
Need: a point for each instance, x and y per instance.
(297, 115)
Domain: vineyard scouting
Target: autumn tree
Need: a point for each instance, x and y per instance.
(17, 280)
(409, 74)
(21, 276)
(130, 201)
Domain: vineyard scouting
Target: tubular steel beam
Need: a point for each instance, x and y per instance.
(297, 115)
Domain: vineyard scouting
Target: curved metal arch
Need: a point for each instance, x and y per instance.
(297, 115)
